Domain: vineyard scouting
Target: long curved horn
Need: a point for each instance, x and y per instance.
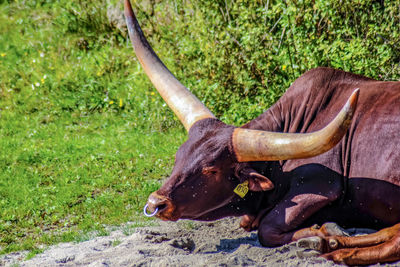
(255, 145)
(184, 104)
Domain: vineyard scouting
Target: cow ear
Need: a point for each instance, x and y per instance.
(258, 182)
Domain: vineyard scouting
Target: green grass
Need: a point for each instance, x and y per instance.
(76, 173)
(83, 137)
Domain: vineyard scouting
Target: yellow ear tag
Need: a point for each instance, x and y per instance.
(242, 189)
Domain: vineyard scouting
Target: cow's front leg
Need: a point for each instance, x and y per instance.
(278, 226)
(305, 197)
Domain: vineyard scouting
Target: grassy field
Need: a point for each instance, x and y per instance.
(84, 137)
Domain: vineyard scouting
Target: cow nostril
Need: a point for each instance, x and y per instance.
(161, 207)
(157, 204)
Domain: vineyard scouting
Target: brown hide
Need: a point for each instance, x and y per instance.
(361, 173)
(370, 149)
(366, 160)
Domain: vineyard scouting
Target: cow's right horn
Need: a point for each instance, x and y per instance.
(256, 145)
(184, 104)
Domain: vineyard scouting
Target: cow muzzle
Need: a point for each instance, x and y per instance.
(161, 207)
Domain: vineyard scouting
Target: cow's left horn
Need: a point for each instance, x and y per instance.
(184, 104)
(255, 145)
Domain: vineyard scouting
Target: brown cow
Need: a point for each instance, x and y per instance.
(294, 166)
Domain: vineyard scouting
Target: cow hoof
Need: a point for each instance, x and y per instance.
(332, 229)
(313, 242)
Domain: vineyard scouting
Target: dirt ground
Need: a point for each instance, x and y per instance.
(184, 243)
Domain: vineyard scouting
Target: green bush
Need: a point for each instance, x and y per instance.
(240, 56)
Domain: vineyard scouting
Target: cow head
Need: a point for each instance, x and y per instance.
(214, 160)
(204, 177)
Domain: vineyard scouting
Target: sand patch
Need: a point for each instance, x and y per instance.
(184, 243)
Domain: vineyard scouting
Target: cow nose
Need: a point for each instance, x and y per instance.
(156, 203)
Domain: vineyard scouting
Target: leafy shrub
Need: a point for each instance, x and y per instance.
(240, 56)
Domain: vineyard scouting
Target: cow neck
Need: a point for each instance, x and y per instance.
(272, 170)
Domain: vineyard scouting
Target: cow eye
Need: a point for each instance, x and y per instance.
(210, 170)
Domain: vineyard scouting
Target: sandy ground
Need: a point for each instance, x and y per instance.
(220, 243)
